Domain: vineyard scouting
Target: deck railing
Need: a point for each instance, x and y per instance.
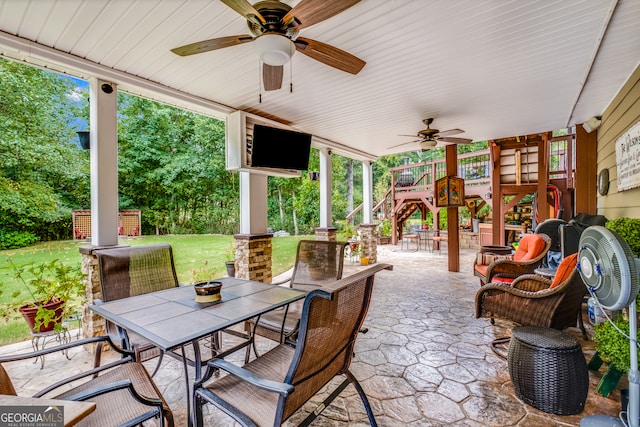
(474, 168)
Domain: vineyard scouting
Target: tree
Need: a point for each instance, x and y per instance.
(38, 189)
(171, 165)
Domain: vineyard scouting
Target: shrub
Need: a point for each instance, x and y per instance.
(17, 239)
(629, 230)
(612, 346)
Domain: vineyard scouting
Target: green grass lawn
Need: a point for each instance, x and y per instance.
(197, 257)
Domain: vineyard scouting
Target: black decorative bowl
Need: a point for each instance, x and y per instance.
(207, 291)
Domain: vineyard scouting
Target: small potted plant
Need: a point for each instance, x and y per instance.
(384, 232)
(53, 290)
(364, 260)
(230, 260)
(203, 273)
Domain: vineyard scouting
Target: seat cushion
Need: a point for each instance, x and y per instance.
(529, 247)
(565, 269)
(481, 269)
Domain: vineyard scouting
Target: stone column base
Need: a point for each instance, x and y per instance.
(369, 241)
(93, 325)
(329, 233)
(253, 257)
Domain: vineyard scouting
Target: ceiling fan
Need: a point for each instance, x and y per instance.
(429, 138)
(274, 28)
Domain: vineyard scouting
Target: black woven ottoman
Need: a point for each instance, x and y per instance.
(548, 370)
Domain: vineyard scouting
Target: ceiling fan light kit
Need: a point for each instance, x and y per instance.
(428, 144)
(274, 49)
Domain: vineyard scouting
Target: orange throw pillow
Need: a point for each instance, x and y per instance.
(565, 269)
(529, 247)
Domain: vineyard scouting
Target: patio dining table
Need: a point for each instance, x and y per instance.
(426, 238)
(172, 318)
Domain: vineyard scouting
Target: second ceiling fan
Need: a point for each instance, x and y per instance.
(429, 138)
(274, 28)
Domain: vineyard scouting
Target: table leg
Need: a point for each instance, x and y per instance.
(197, 361)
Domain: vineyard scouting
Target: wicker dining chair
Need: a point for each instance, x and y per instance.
(534, 300)
(124, 393)
(269, 389)
(128, 271)
(318, 262)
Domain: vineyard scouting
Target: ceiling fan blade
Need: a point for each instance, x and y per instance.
(310, 12)
(329, 55)
(272, 76)
(212, 44)
(450, 132)
(404, 143)
(454, 140)
(244, 8)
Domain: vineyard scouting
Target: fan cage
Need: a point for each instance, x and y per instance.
(614, 279)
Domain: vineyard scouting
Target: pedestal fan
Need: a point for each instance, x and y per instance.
(610, 272)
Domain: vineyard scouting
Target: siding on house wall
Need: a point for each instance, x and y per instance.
(620, 115)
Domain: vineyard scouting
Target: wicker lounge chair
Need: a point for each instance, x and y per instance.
(318, 262)
(534, 300)
(269, 389)
(531, 251)
(124, 393)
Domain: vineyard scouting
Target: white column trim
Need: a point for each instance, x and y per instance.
(103, 131)
(253, 203)
(325, 188)
(367, 192)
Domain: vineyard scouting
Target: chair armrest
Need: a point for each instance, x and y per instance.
(111, 387)
(127, 357)
(503, 301)
(510, 268)
(42, 352)
(531, 283)
(282, 282)
(92, 372)
(245, 375)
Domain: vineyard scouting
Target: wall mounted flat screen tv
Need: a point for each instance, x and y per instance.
(280, 148)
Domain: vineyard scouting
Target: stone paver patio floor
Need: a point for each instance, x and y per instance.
(425, 361)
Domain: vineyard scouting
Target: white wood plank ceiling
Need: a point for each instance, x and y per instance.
(494, 68)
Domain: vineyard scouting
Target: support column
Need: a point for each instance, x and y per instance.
(104, 162)
(253, 244)
(253, 203)
(586, 172)
(453, 242)
(103, 136)
(325, 188)
(367, 192)
(369, 241)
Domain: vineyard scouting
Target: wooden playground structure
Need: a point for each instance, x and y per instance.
(129, 222)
